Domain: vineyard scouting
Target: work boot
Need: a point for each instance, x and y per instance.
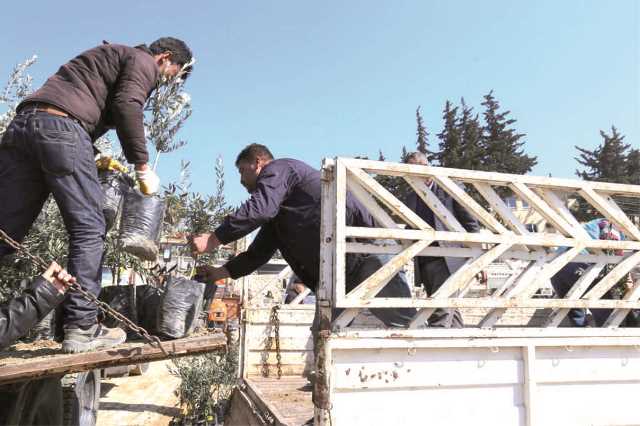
(95, 337)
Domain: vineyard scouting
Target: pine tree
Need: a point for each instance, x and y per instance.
(607, 162)
(633, 167)
(450, 145)
(503, 147)
(421, 132)
(470, 131)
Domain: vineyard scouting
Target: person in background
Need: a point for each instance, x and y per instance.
(433, 271)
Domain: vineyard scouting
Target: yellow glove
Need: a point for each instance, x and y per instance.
(108, 163)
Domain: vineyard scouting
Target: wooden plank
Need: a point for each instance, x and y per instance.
(492, 178)
(470, 204)
(544, 240)
(389, 200)
(126, 354)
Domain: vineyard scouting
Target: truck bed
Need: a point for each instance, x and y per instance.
(269, 400)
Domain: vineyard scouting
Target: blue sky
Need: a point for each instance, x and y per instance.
(316, 79)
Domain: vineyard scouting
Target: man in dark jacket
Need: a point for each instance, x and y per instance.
(432, 272)
(47, 149)
(285, 205)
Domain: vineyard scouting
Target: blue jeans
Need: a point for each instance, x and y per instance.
(42, 154)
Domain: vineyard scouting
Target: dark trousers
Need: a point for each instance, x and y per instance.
(359, 267)
(433, 273)
(42, 154)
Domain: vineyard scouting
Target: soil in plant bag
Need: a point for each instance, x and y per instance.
(140, 224)
(180, 307)
(114, 185)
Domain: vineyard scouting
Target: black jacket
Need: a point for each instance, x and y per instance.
(106, 87)
(286, 208)
(23, 312)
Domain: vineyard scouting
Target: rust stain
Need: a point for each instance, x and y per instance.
(347, 371)
(395, 375)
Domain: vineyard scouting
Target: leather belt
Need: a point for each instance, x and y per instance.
(49, 109)
(40, 107)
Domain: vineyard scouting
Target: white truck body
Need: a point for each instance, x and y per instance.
(502, 368)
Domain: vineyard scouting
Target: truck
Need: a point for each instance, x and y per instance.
(516, 362)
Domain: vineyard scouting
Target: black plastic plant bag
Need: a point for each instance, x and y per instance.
(114, 185)
(180, 307)
(141, 223)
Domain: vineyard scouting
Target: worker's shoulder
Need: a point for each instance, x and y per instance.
(291, 164)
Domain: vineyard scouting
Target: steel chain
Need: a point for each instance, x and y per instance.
(274, 321)
(276, 331)
(153, 341)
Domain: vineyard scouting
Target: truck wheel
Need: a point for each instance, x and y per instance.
(81, 398)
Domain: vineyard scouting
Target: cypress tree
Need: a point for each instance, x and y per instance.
(421, 133)
(503, 146)
(450, 146)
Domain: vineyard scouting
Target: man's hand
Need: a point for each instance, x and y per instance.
(147, 179)
(59, 277)
(203, 243)
(211, 274)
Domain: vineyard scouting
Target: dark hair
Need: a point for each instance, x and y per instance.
(180, 52)
(253, 151)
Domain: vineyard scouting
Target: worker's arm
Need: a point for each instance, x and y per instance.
(273, 186)
(23, 312)
(137, 80)
(259, 252)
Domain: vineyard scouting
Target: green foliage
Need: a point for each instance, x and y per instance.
(450, 145)
(611, 161)
(17, 88)
(502, 145)
(422, 143)
(168, 108)
(206, 381)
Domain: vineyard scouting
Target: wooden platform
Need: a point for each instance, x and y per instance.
(287, 399)
(21, 363)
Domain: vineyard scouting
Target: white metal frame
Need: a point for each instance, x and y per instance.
(502, 242)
